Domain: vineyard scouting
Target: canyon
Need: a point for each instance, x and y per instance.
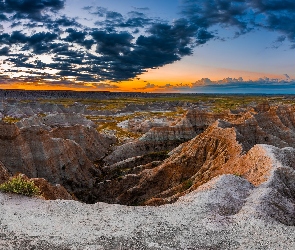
(156, 172)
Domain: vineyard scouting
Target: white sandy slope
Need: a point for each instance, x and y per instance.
(226, 213)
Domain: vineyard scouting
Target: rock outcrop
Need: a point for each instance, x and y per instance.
(203, 145)
(167, 138)
(4, 175)
(51, 192)
(55, 120)
(226, 147)
(35, 153)
(95, 145)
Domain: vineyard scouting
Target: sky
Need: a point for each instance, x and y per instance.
(191, 46)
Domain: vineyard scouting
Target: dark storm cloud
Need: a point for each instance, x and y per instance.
(165, 44)
(114, 15)
(4, 51)
(87, 8)
(66, 22)
(135, 22)
(113, 43)
(273, 5)
(121, 47)
(114, 20)
(3, 17)
(38, 42)
(203, 36)
(75, 36)
(15, 24)
(244, 15)
(32, 9)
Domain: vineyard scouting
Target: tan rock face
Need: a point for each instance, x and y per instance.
(51, 192)
(227, 146)
(193, 123)
(95, 145)
(36, 154)
(167, 138)
(204, 145)
(4, 175)
(8, 131)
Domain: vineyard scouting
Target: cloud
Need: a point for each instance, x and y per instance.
(141, 9)
(164, 88)
(207, 81)
(287, 76)
(120, 47)
(243, 15)
(261, 81)
(99, 11)
(32, 9)
(79, 37)
(227, 86)
(87, 8)
(4, 51)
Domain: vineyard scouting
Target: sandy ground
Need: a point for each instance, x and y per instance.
(210, 218)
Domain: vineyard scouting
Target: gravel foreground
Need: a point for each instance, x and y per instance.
(218, 215)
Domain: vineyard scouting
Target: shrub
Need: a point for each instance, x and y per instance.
(187, 184)
(19, 185)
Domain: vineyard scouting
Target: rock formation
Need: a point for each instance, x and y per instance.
(66, 149)
(4, 175)
(51, 192)
(227, 146)
(35, 153)
(95, 145)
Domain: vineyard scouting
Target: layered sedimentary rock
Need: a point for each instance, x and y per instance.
(225, 147)
(35, 153)
(214, 147)
(4, 175)
(166, 138)
(51, 192)
(95, 145)
(53, 120)
(26, 109)
(203, 145)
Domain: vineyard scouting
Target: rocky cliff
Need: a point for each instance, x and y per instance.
(202, 145)
(226, 146)
(38, 153)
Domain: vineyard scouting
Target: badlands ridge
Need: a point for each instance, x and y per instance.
(206, 180)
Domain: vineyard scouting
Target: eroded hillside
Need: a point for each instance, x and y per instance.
(142, 151)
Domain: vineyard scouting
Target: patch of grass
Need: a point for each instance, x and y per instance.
(159, 155)
(187, 184)
(66, 102)
(19, 185)
(11, 120)
(41, 115)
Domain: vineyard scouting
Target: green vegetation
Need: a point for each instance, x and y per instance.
(63, 101)
(238, 174)
(19, 185)
(109, 123)
(160, 155)
(187, 184)
(10, 120)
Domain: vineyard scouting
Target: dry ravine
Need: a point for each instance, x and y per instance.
(206, 181)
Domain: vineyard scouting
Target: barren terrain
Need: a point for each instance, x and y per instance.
(147, 171)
